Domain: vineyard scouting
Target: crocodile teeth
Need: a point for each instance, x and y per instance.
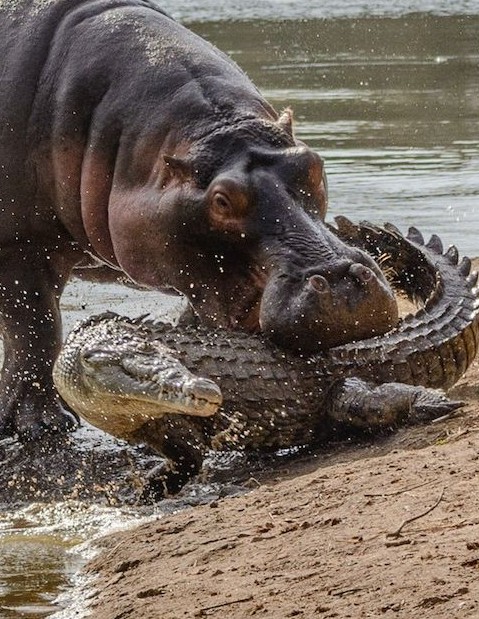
(204, 390)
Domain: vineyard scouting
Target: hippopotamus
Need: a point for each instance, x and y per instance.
(126, 137)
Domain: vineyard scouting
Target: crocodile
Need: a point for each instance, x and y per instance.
(184, 390)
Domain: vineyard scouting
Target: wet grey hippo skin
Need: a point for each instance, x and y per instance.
(125, 135)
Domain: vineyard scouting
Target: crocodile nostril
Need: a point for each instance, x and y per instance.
(319, 283)
(361, 273)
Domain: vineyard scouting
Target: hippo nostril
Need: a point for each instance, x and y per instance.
(361, 273)
(319, 283)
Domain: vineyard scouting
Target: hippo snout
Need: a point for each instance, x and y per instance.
(319, 284)
(359, 272)
(324, 308)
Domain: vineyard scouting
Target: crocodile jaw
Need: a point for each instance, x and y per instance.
(118, 384)
(124, 408)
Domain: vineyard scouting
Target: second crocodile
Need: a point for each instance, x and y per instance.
(131, 377)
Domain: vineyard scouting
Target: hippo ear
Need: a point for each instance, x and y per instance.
(177, 167)
(285, 121)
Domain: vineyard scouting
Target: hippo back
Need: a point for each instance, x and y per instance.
(80, 74)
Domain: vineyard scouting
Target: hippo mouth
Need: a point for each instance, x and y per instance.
(245, 313)
(315, 312)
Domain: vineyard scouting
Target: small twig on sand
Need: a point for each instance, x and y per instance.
(396, 492)
(341, 592)
(397, 532)
(202, 611)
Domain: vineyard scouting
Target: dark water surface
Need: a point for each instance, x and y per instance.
(388, 93)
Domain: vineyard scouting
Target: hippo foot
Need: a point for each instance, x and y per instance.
(29, 416)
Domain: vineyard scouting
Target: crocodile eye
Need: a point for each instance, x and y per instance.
(95, 357)
(89, 357)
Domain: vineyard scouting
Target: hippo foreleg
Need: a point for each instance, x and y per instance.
(31, 282)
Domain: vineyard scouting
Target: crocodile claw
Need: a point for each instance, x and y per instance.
(357, 404)
(431, 404)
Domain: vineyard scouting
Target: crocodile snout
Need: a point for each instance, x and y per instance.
(203, 395)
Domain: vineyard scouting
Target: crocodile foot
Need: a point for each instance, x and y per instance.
(163, 481)
(357, 404)
(181, 442)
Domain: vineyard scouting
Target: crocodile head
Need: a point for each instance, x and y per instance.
(117, 378)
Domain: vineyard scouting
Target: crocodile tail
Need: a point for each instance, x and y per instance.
(434, 346)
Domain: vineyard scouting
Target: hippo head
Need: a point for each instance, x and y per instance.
(236, 223)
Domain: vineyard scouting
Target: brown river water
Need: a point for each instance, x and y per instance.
(388, 93)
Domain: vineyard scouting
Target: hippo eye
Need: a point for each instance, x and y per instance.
(228, 206)
(221, 201)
